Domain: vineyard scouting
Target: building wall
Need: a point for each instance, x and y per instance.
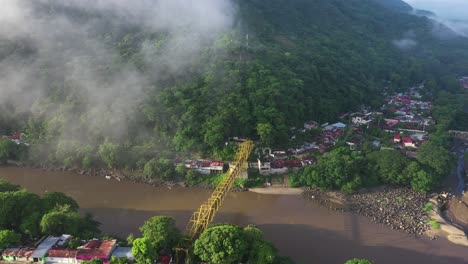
(61, 260)
(8, 258)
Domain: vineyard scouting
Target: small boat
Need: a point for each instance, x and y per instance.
(108, 177)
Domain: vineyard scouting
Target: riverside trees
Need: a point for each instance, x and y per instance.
(348, 171)
(31, 216)
(159, 234)
(232, 244)
(220, 243)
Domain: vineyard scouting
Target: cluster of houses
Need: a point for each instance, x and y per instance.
(329, 136)
(405, 116)
(52, 250)
(404, 119)
(408, 112)
(464, 82)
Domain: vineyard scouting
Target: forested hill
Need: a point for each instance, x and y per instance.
(396, 5)
(119, 83)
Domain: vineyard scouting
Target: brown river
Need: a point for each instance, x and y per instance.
(304, 231)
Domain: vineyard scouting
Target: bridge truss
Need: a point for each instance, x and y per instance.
(205, 214)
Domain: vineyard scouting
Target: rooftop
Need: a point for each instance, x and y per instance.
(92, 244)
(62, 253)
(97, 248)
(25, 252)
(10, 252)
(407, 140)
(47, 244)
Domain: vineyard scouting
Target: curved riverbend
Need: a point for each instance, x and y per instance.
(306, 232)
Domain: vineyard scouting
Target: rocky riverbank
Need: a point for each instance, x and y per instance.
(398, 207)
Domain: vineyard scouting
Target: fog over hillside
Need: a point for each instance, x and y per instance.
(68, 45)
(453, 13)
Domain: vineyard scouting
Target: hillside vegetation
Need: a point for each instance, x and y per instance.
(93, 88)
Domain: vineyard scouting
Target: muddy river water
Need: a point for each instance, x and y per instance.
(306, 232)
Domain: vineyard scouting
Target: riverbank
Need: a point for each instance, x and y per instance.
(445, 227)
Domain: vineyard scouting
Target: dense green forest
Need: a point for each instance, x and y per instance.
(92, 88)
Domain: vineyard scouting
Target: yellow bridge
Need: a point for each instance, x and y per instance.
(202, 217)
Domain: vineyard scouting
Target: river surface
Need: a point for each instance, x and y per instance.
(302, 230)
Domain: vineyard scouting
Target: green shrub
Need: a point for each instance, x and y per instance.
(428, 207)
(435, 224)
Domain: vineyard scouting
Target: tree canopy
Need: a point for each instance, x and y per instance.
(221, 244)
(31, 216)
(158, 234)
(358, 261)
(8, 238)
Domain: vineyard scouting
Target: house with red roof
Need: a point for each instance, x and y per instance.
(62, 256)
(396, 138)
(408, 142)
(24, 254)
(9, 254)
(96, 249)
(15, 136)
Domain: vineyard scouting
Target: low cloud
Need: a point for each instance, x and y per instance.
(405, 43)
(58, 57)
(451, 13)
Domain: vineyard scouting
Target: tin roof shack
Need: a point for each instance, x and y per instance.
(97, 249)
(62, 256)
(123, 252)
(9, 254)
(24, 254)
(40, 253)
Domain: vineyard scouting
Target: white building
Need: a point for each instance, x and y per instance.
(361, 120)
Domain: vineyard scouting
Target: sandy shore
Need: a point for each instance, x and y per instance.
(277, 190)
(452, 233)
